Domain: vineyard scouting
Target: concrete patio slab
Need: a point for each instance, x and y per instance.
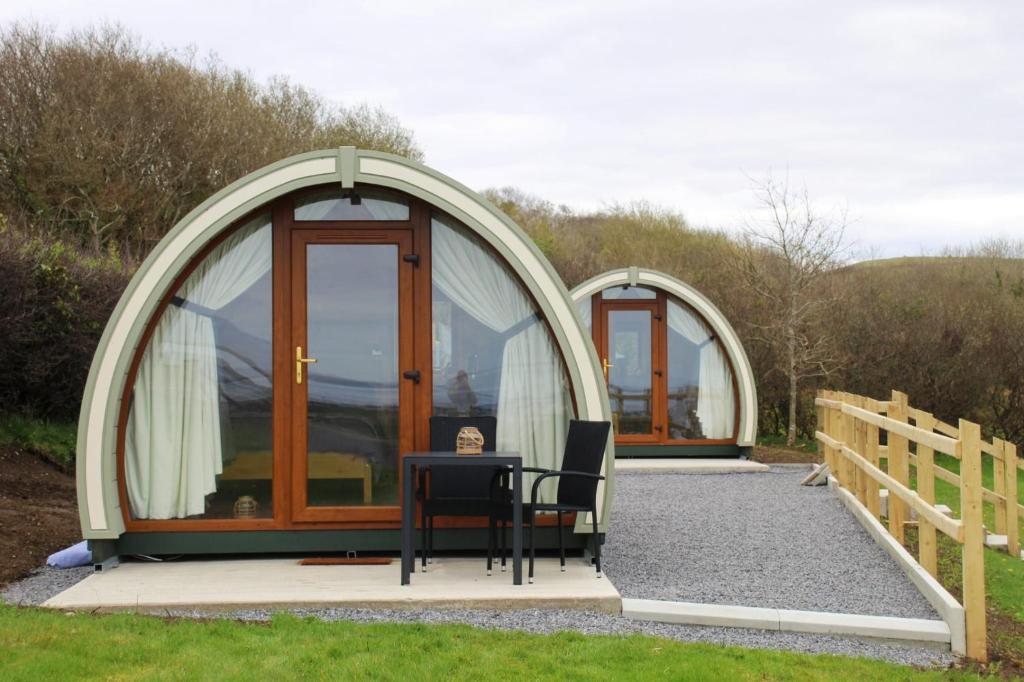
(689, 466)
(282, 583)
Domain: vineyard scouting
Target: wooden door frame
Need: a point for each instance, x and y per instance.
(281, 211)
(659, 360)
(302, 236)
(657, 318)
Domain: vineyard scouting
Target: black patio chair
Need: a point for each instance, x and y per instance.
(452, 490)
(577, 490)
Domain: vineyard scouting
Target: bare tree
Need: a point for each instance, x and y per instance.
(783, 259)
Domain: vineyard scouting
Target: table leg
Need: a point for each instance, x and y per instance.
(517, 524)
(408, 556)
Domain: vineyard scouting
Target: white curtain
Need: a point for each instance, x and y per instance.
(716, 403)
(534, 406)
(173, 442)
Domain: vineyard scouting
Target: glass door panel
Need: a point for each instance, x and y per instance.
(628, 366)
(352, 388)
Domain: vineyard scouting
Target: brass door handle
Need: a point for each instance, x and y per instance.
(605, 364)
(299, 362)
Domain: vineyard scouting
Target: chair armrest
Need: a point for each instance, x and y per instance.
(551, 474)
(535, 470)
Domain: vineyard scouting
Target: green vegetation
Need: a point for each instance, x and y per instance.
(39, 644)
(53, 440)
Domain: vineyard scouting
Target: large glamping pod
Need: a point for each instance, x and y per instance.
(285, 345)
(679, 381)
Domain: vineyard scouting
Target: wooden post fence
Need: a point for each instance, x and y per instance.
(849, 430)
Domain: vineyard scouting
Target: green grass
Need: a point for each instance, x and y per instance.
(53, 440)
(38, 644)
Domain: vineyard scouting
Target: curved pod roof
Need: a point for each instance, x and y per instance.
(747, 433)
(99, 507)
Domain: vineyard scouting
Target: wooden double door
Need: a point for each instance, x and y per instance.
(652, 386)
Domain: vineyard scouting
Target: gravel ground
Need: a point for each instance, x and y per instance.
(767, 544)
(42, 584)
(750, 540)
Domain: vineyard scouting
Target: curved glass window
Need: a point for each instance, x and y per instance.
(701, 396)
(492, 352)
(358, 204)
(628, 293)
(198, 437)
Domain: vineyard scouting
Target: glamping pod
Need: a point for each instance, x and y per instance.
(679, 382)
(286, 344)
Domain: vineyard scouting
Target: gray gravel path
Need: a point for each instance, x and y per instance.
(779, 555)
(750, 540)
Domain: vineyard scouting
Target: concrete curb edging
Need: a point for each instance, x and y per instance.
(941, 600)
(914, 630)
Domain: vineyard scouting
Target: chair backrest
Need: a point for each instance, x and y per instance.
(456, 481)
(584, 451)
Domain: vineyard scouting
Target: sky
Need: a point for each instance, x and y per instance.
(908, 115)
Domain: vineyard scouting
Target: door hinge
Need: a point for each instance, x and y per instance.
(412, 374)
(658, 372)
(658, 317)
(413, 258)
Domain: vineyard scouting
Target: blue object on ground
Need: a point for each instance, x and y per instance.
(75, 555)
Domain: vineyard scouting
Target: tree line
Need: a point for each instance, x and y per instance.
(105, 143)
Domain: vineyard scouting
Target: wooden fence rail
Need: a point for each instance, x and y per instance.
(850, 428)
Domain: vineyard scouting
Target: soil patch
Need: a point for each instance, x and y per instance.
(38, 512)
(772, 455)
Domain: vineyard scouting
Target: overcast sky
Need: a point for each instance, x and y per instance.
(911, 114)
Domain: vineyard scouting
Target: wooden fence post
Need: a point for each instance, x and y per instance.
(1010, 490)
(974, 539)
(835, 429)
(999, 488)
(899, 467)
(927, 538)
(821, 419)
(874, 503)
(846, 430)
(860, 436)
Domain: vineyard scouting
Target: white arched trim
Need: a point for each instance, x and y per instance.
(747, 433)
(99, 507)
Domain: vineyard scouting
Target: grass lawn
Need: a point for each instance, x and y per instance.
(38, 644)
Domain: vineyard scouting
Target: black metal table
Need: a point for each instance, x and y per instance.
(487, 459)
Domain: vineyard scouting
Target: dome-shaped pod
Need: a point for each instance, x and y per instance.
(100, 504)
(656, 292)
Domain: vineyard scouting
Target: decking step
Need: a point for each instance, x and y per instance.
(914, 630)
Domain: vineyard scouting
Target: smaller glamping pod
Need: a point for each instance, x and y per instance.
(286, 344)
(679, 381)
